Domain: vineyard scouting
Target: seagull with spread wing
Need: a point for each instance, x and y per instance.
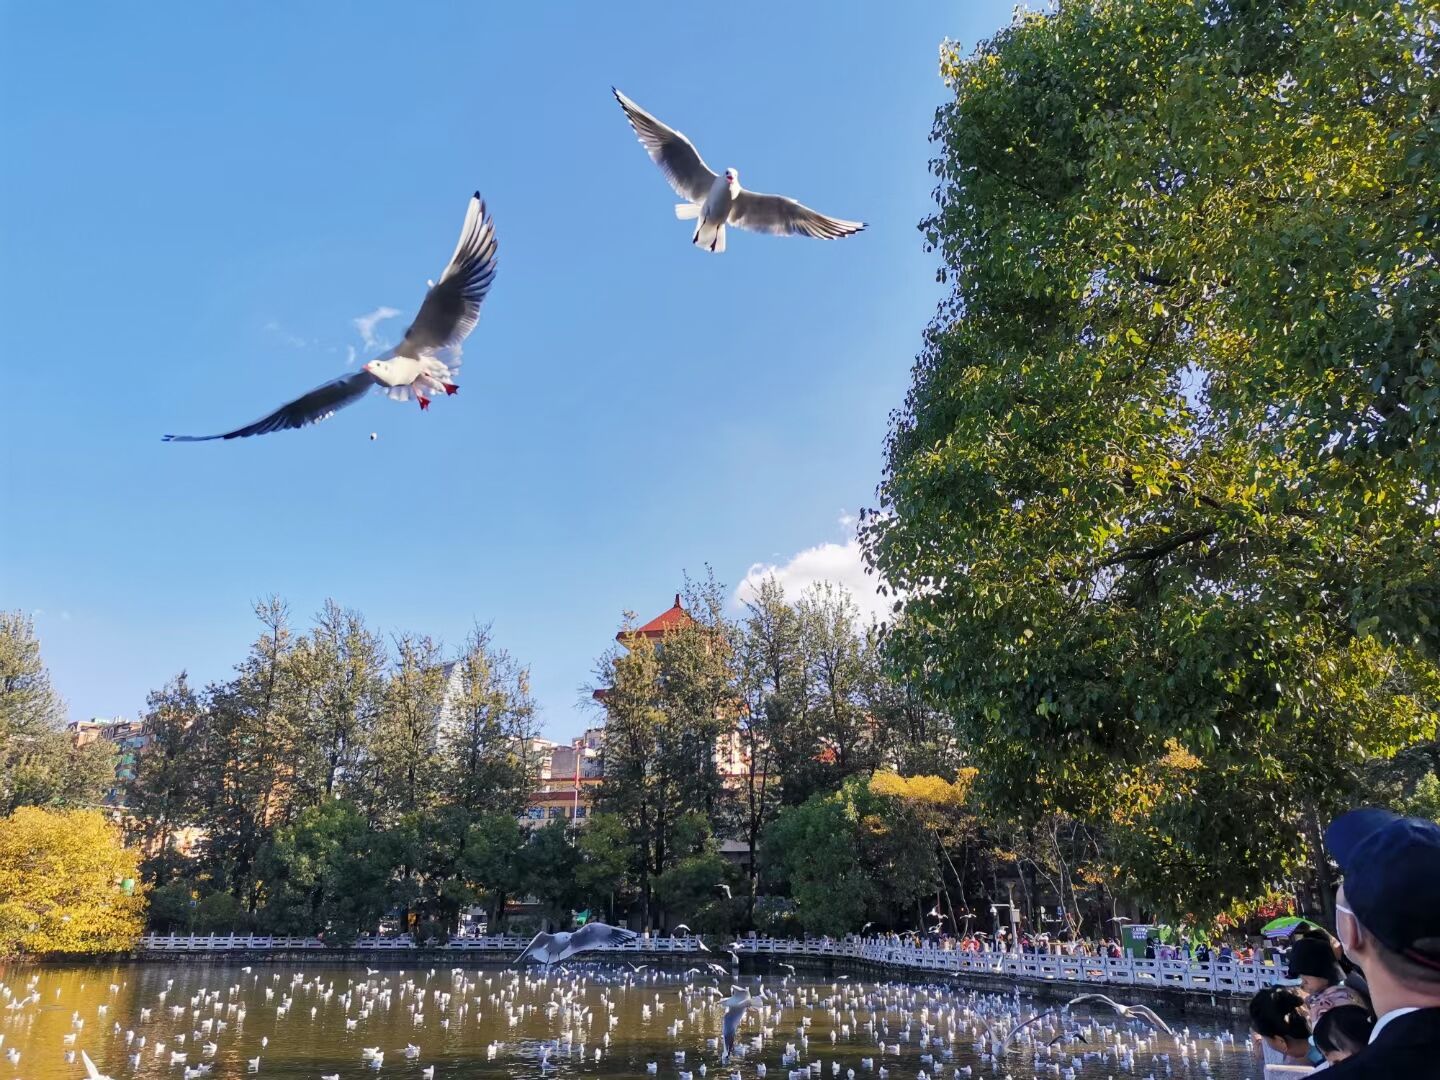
(736, 1005)
(553, 948)
(714, 202)
(1128, 1012)
(426, 362)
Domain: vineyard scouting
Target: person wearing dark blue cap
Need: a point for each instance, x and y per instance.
(1388, 921)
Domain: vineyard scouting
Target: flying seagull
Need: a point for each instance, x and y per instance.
(716, 201)
(552, 948)
(736, 1006)
(1129, 1012)
(90, 1070)
(449, 312)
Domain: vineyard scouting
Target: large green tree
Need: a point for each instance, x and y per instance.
(492, 862)
(326, 871)
(1164, 483)
(771, 678)
(162, 795)
(487, 729)
(245, 749)
(851, 856)
(39, 763)
(667, 705)
(404, 762)
(339, 667)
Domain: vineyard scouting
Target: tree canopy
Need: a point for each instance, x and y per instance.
(67, 884)
(39, 763)
(1163, 488)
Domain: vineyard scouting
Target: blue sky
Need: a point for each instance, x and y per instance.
(200, 200)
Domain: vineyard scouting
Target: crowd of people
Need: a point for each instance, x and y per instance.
(1364, 1001)
(1066, 944)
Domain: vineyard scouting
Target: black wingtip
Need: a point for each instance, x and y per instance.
(476, 195)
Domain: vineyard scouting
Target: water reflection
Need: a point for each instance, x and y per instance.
(310, 1020)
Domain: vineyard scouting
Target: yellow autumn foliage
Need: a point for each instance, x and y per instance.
(933, 791)
(63, 884)
(1142, 789)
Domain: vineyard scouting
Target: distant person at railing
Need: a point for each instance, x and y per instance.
(1388, 922)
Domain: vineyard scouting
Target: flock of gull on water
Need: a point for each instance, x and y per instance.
(920, 1031)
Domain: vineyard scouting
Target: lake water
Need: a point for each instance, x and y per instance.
(499, 1022)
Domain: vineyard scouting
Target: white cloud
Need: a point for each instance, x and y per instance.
(295, 341)
(841, 564)
(366, 324)
(350, 355)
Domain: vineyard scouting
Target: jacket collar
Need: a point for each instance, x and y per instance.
(1418, 1028)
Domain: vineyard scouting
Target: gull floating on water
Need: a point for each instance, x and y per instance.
(414, 367)
(714, 202)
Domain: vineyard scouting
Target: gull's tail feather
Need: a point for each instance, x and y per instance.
(687, 211)
(710, 237)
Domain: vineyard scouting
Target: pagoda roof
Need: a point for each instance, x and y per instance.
(672, 619)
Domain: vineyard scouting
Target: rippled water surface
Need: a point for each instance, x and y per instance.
(499, 1022)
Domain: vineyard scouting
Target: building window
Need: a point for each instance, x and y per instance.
(579, 812)
(557, 811)
(535, 813)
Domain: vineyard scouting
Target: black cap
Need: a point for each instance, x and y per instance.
(1313, 956)
(1392, 879)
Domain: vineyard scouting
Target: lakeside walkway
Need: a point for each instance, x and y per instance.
(1210, 978)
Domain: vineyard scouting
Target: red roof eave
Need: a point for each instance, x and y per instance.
(675, 618)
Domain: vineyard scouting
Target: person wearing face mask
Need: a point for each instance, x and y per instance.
(1388, 922)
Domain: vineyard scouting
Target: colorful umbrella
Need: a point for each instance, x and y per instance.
(1283, 926)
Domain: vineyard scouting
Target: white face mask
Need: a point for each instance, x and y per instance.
(1348, 930)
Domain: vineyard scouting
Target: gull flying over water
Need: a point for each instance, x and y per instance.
(425, 363)
(553, 948)
(90, 1070)
(736, 1005)
(1128, 1012)
(714, 202)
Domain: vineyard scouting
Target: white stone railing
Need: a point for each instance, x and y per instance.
(1216, 976)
